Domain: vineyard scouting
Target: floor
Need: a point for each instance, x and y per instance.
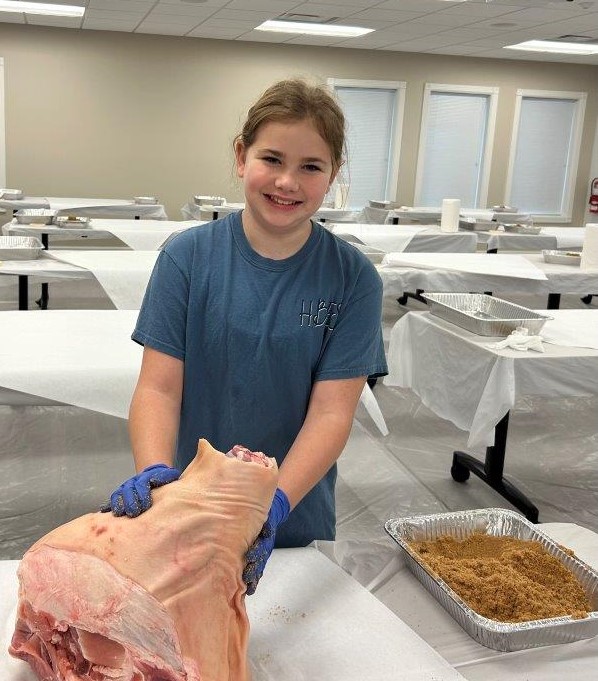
(552, 454)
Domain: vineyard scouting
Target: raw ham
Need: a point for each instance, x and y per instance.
(155, 598)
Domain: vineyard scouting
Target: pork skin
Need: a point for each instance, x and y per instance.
(159, 597)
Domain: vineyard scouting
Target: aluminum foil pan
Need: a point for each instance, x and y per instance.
(521, 228)
(38, 216)
(209, 200)
(20, 247)
(562, 257)
(497, 522)
(484, 315)
(476, 225)
(72, 222)
(11, 194)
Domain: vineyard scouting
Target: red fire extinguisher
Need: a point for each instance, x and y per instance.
(594, 196)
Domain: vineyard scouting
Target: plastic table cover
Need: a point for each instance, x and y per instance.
(462, 379)
(480, 272)
(406, 238)
(301, 628)
(93, 208)
(139, 235)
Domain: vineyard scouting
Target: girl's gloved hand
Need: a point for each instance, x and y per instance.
(261, 549)
(133, 497)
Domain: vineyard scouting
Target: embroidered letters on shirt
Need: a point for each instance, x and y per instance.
(322, 314)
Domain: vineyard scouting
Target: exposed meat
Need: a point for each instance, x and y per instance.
(155, 598)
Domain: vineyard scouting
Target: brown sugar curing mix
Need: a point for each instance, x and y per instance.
(505, 579)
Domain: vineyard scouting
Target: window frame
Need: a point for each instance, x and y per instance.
(566, 214)
(492, 93)
(2, 128)
(396, 134)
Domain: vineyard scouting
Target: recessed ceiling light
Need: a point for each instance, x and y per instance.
(41, 8)
(553, 47)
(313, 29)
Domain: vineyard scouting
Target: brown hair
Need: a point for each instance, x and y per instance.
(296, 100)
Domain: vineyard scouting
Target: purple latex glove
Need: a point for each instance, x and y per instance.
(133, 497)
(261, 549)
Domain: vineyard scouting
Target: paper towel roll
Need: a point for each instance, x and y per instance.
(449, 217)
(589, 252)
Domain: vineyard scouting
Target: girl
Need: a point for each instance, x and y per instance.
(261, 328)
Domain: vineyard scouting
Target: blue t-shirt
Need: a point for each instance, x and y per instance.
(255, 334)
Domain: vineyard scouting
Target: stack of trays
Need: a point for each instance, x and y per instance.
(562, 257)
(11, 194)
(209, 200)
(499, 523)
(476, 225)
(20, 248)
(37, 216)
(484, 315)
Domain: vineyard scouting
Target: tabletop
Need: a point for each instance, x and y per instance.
(462, 378)
(406, 238)
(144, 235)
(88, 207)
(328, 628)
(122, 274)
(480, 272)
(382, 570)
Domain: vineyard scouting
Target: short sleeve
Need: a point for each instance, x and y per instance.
(355, 346)
(162, 319)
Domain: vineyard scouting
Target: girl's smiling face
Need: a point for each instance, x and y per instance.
(286, 173)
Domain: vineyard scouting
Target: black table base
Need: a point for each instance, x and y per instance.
(491, 471)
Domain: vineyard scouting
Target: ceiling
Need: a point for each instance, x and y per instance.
(475, 28)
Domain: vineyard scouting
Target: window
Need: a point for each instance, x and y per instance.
(2, 137)
(545, 152)
(455, 146)
(374, 114)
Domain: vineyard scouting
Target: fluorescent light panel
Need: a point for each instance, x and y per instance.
(41, 8)
(554, 47)
(313, 29)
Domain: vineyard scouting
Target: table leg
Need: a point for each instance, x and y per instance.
(554, 301)
(43, 300)
(491, 471)
(23, 292)
(416, 296)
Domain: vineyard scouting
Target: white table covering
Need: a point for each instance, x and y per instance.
(191, 211)
(557, 278)
(122, 274)
(309, 620)
(549, 238)
(474, 263)
(402, 238)
(84, 207)
(571, 329)
(460, 378)
(142, 235)
(382, 570)
(80, 357)
(139, 235)
(89, 359)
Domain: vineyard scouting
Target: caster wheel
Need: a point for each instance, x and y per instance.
(402, 300)
(459, 473)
